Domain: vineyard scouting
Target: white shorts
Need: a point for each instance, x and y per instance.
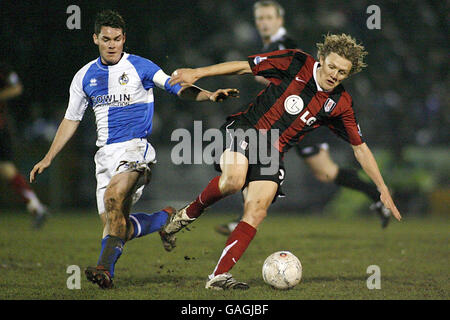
(111, 159)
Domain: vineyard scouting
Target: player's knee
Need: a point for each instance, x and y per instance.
(254, 214)
(117, 226)
(326, 174)
(115, 220)
(7, 170)
(229, 184)
(323, 177)
(113, 200)
(110, 203)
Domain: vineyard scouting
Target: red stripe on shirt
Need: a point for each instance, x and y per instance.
(277, 110)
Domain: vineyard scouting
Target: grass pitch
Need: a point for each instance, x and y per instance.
(413, 257)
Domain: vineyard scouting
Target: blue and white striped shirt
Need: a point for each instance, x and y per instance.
(121, 96)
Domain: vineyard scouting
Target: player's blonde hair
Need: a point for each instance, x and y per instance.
(345, 46)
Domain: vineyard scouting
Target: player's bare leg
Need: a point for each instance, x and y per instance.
(234, 166)
(120, 226)
(257, 199)
(7, 170)
(327, 171)
(118, 200)
(9, 173)
(322, 166)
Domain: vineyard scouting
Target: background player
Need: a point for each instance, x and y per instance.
(10, 88)
(303, 95)
(269, 21)
(119, 88)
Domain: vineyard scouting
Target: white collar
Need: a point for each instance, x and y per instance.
(108, 67)
(277, 36)
(319, 88)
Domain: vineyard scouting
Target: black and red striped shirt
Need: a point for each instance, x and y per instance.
(293, 102)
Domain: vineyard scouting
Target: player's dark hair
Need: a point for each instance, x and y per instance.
(109, 18)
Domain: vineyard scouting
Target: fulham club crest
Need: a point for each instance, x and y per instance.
(329, 105)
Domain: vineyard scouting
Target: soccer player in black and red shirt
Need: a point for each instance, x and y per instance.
(269, 21)
(10, 88)
(303, 94)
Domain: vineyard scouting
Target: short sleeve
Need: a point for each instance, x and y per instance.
(151, 74)
(346, 126)
(161, 80)
(273, 64)
(78, 101)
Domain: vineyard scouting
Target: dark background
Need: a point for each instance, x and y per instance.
(401, 99)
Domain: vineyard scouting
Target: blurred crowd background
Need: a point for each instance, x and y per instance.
(401, 99)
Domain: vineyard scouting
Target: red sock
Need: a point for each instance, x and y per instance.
(209, 196)
(235, 247)
(21, 187)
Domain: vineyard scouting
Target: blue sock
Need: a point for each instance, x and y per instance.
(145, 223)
(111, 251)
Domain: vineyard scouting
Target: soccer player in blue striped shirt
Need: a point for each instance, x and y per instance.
(119, 88)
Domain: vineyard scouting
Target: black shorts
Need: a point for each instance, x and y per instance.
(265, 162)
(6, 152)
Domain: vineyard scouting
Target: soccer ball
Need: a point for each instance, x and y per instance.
(282, 270)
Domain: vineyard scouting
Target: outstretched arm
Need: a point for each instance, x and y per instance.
(65, 131)
(221, 69)
(189, 91)
(193, 93)
(369, 165)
